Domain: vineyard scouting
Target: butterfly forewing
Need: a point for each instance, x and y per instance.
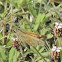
(31, 38)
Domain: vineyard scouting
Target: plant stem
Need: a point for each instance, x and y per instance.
(3, 34)
(40, 54)
(59, 45)
(11, 18)
(16, 54)
(6, 5)
(61, 55)
(59, 41)
(4, 24)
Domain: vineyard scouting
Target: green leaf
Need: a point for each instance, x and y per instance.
(43, 32)
(12, 1)
(28, 52)
(41, 49)
(9, 43)
(13, 55)
(42, 18)
(33, 49)
(5, 13)
(15, 3)
(20, 2)
(37, 22)
(61, 55)
(2, 54)
(31, 9)
(28, 1)
(49, 36)
(44, 54)
(1, 35)
(14, 58)
(46, 19)
(10, 40)
(27, 26)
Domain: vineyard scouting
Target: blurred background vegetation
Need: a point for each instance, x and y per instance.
(38, 16)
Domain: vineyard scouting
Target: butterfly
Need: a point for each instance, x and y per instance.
(31, 38)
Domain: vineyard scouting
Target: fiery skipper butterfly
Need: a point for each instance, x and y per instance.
(31, 38)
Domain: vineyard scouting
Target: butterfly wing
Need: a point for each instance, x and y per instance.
(31, 39)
